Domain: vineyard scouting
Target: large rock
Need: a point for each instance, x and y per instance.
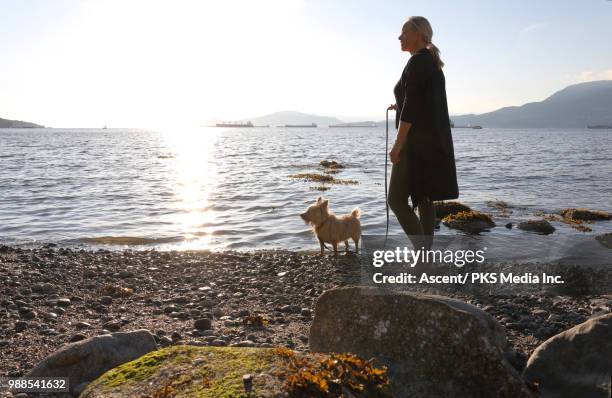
(576, 362)
(434, 346)
(472, 222)
(85, 360)
(585, 214)
(444, 209)
(539, 226)
(213, 372)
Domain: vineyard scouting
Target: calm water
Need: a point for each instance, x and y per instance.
(215, 188)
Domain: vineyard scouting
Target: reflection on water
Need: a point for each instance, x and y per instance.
(193, 175)
(216, 188)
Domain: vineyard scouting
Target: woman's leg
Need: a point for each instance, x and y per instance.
(398, 202)
(427, 216)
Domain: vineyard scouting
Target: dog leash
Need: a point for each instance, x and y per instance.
(386, 163)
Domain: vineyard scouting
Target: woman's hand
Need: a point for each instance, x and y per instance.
(395, 154)
(392, 107)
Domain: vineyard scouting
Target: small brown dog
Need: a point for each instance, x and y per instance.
(332, 229)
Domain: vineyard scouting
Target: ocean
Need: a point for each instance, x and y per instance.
(215, 188)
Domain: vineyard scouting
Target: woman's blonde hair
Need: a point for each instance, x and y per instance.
(422, 26)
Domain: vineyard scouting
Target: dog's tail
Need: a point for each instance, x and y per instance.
(356, 212)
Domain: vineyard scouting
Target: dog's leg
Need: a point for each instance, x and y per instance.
(335, 244)
(346, 246)
(322, 247)
(356, 240)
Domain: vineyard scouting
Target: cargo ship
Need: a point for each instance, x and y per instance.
(300, 125)
(600, 126)
(362, 124)
(234, 124)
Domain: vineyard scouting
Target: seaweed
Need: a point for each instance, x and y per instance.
(338, 375)
(322, 178)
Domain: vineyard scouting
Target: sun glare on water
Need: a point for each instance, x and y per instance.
(193, 176)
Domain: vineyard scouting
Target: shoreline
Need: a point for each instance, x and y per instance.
(263, 298)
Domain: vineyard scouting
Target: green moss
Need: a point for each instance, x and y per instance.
(136, 370)
(217, 372)
(218, 375)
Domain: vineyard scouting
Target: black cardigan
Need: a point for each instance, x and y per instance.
(420, 95)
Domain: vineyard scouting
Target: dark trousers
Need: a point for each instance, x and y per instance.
(419, 229)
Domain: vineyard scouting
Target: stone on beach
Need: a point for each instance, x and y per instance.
(86, 360)
(203, 324)
(240, 372)
(585, 214)
(469, 221)
(539, 226)
(576, 362)
(433, 345)
(331, 164)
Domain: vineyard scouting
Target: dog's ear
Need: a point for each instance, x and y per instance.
(325, 203)
(319, 199)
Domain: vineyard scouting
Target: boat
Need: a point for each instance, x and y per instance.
(363, 124)
(301, 125)
(600, 126)
(234, 124)
(469, 126)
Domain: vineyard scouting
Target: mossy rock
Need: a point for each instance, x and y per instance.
(539, 226)
(444, 209)
(469, 221)
(224, 372)
(585, 215)
(331, 164)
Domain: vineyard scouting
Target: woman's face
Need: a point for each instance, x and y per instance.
(408, 38)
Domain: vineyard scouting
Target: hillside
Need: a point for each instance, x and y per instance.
(6, 123)
(575, 106)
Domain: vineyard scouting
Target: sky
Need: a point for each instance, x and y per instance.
(144, 63)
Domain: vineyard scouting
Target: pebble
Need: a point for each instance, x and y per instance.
(63, 302)
(20, 326)
(43, 288)
(29, 315)
(77, 337)
(106, 300)
(112, 326)
(244, 343)
(165, 341)
(203, 324)
(125, 274)
(218, 343)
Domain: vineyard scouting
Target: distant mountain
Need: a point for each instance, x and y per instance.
(575, 106)
(292, 117)
(5, 123)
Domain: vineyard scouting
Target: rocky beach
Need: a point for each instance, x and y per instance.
(52, 296)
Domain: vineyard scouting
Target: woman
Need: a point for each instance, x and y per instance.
(423, 156)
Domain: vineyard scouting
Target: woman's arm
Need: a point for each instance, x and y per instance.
(402, 134)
